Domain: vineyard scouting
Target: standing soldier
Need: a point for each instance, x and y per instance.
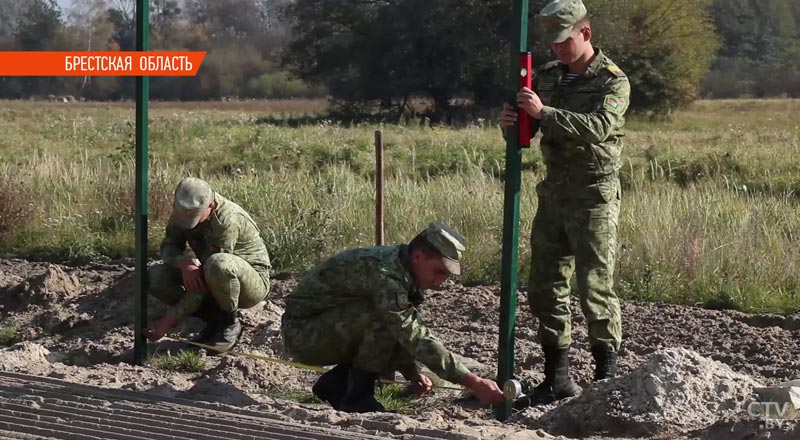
(359, 311)
(232, 272)
(579, 103)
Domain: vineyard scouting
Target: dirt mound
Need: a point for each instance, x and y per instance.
(54, 285)
(8, 280)
(79, 327)
(674, 391)
(25, 357)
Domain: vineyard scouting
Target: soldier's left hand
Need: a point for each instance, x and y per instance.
(529, 101)
(421, 384)
(157, 329)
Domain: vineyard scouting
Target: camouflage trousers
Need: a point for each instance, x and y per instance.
(350, 334)
(231, 281)
(575, 232)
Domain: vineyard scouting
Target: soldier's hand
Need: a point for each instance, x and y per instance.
(485, 390)
(529, 101)
(508, 117)
(421, 384)
(158, 328)
(193, 278)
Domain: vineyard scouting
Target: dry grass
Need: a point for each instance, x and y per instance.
(710, 206)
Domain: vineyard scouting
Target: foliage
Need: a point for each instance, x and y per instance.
(760, 41)
(703, 193)
(7, 336)
(187, 361)
(387, 52)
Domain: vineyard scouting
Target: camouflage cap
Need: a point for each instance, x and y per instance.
(192, 197)
(448, 242)
(559, 17)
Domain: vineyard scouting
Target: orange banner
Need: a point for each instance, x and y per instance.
(100, 63)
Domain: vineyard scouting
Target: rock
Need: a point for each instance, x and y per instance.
(787, 392)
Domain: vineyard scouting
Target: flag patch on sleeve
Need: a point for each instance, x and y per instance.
(611, 103)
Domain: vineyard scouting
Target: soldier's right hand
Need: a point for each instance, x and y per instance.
(193, 278)
(508, 117)
(485, 390)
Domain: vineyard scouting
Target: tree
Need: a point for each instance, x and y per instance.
(664, 46)
(38, 23)
(389, 50)
(760, 40)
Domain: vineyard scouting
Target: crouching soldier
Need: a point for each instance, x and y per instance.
(359, 311)
(231, 271)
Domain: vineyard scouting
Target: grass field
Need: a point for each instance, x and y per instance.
(710, 206)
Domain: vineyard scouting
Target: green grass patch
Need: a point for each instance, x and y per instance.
(292, 394)
(395, 397)
(186, 361)
(8, 336)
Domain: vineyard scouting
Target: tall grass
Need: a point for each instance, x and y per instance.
(709, 216)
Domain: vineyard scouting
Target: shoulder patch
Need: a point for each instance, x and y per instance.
(615, 70)
(611, 102)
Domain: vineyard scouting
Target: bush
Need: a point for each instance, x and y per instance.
(278, 85)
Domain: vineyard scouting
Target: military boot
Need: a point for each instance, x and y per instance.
(208, 313)
(557, 383)
(229, 328)
(331, 386)
(360, 394)
(605, 361)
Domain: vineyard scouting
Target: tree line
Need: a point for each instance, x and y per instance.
(379, 55)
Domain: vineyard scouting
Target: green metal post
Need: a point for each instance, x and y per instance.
(513, 181)
(142, 101)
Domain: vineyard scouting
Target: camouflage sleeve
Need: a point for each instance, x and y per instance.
(403, 362)
(172, 246)
(223, 238)
(594, 127)
(187, 305)
(405, 324)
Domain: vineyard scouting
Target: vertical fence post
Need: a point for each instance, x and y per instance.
(513, 182)
(379, 195)
(142, 100)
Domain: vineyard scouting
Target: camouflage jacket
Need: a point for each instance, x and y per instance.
(582, 123)
(230, 229)
(382, 276)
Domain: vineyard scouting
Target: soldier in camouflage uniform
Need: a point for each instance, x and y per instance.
(359, 310)
(231, 271)
(579, 104)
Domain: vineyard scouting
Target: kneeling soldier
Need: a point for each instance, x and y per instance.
(359, 310)
(232, 272)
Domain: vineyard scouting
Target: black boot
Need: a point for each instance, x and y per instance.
(332, 386)
(229, 328)
(605, 361)
(207, 312)
(557, 384)
(360, 394)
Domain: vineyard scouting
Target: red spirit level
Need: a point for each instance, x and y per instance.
(525, 80)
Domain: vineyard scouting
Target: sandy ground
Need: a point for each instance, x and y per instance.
(684, 372)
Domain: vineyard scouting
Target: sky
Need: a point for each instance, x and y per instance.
(64, 4)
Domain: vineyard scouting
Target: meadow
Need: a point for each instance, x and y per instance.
(710, 211)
